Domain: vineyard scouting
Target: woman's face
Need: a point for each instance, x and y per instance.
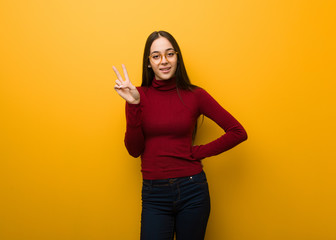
(163, 59)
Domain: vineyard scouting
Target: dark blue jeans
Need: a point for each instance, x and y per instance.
(178, 206)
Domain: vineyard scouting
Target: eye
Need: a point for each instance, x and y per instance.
(171, 54)
(155, 56)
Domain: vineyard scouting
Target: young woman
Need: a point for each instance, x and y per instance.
(161, 120)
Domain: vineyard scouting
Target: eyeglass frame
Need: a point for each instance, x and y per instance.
(165, 55)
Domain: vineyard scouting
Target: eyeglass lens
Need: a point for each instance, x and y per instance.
(157, 57)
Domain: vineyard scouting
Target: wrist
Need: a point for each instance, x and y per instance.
(134, 102)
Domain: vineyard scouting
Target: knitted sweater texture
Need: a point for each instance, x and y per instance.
(160, 127)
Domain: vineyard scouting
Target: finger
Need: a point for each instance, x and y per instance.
(117, 87)
(118, 82)
(117, 73)
(125, 72)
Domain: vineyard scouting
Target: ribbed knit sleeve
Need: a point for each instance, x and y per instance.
(134, 137)
(234, 131)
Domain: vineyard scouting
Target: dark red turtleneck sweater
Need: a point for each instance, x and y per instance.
(160, 130)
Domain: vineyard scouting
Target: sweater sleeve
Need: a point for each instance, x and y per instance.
(234, 131)
(134, 137)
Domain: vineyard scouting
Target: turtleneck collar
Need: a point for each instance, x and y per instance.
(164, 85)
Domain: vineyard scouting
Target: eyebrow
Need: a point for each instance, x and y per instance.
(165, 50)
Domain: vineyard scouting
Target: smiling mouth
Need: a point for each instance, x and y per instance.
(167, 69)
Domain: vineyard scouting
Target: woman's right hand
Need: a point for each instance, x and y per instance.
(125, 88)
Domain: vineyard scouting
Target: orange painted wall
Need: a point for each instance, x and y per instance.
(64, 171)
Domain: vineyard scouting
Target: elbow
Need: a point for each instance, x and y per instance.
(240, 134)
(134, 154)
(244, 135)
(134, 150)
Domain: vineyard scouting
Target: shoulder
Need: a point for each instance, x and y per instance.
(200, 92)
(203, 98)
(139, 88)
(144, 93)
(197, 95)
(142, 90)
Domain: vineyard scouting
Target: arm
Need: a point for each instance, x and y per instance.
(234, 131)
(134, 138)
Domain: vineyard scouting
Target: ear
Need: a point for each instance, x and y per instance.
(149, 66)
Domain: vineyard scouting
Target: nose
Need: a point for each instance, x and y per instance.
(164, 59)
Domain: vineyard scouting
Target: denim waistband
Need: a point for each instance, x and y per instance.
(169, 180)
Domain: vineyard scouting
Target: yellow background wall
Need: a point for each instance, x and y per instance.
(64, 171)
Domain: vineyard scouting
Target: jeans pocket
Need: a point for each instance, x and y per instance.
(200, 187)
(199, 178)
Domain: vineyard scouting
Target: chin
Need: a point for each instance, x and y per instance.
(164, 77)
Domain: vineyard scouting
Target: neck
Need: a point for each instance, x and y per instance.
(164, 85)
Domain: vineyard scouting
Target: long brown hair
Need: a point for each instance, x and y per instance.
(182, 79)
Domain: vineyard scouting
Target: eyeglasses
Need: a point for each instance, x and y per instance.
(157, 57)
